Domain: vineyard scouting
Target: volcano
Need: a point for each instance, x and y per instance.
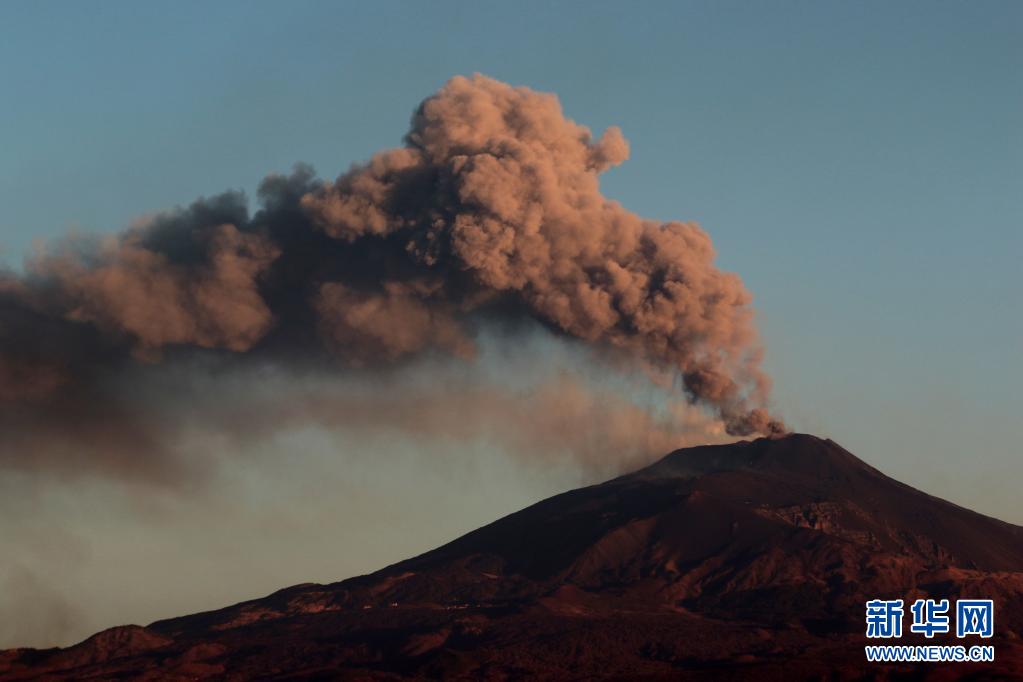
(751, 560)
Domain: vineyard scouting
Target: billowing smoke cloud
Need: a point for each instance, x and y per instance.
(490, 214)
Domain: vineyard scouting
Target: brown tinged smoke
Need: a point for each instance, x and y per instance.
(491, 211)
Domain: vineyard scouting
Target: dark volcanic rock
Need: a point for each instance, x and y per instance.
(751, 560)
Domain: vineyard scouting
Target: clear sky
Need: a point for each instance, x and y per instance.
(859, 164)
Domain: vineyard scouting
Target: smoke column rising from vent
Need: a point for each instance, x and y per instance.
(490, 213)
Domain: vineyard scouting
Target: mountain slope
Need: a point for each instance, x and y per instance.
(748, 559)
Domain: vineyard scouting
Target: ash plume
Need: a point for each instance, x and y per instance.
(491, 211)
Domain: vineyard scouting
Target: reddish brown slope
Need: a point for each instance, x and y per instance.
(745, 560)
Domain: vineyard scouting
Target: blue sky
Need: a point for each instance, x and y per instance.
(859, 164)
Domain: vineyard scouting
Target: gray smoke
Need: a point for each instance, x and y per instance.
(490, 214)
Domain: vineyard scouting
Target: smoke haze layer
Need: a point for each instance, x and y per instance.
(490, 214)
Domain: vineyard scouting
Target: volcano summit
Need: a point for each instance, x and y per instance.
(748, 560)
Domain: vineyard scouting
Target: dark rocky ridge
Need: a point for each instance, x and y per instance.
(746, 560)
